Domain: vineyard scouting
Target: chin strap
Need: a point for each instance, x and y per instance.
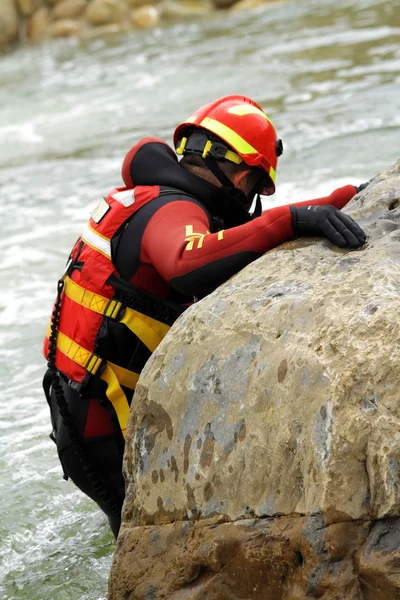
(235, 202)
(229, 188)
(258, 208)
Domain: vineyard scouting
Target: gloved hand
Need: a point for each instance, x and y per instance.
(362, 186)
(329, 222)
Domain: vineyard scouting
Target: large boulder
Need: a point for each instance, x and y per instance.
(263, 448)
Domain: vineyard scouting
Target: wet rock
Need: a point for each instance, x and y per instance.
(65, 28)
(53, 2)
(185, 8)
(223, 3)
(27, 7)
(145, 16)
(139, 3)
(249, 4)
(290, 558)
(38, 25)
(69, 9)
(103, 12)
(102, 31)
(271, 410)
(8, 23)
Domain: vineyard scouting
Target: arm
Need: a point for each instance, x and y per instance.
(339, 198)
(178, 244)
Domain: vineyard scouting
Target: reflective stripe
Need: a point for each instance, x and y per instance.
(233, 157)
(272, 173)
(247, 109)
(148, 330)
(96, 241)
(126, 198)
(230, 136)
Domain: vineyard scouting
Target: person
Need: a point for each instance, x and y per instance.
(171, 235)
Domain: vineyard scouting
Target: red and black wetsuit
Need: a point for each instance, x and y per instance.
(184, 240)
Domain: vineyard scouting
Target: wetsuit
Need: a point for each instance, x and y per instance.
(187, 238)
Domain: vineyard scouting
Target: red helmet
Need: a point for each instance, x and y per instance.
(243, 125)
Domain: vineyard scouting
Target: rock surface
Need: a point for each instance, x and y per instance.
(263, 452)
(69, 9)
(36, 20)
(65, 28)
(27, 7)
(8, 23)
(145, 16)
(39, 23)
(103, 12)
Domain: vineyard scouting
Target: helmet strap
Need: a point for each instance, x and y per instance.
(238, 195)
(258, 208)
(218, 172)
(227, 185)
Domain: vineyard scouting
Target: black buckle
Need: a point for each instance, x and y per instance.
(218, 150)
(279, 148)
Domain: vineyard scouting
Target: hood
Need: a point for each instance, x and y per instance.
(153, 162)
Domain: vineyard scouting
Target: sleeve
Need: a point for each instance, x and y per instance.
(339, 198)
(178, 244)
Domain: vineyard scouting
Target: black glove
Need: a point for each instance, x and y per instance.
(329, 222)
(362, 186)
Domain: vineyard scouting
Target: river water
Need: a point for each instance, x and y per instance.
(328, 74)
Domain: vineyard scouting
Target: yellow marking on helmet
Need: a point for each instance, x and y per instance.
(220, 235)
(233, 157)
(191, 119)
(182, 146)
(207, 148)
(272, 173)
(247, 109)
(227, 134)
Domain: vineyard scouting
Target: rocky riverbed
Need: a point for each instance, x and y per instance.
(36, 20)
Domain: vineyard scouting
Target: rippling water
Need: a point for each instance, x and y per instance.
(328, 74)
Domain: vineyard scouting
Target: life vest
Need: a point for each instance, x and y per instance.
(102, 314)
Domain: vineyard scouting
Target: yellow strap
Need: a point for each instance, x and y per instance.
(116, 396)
(90, 361)
(113, 375)
(148, 330)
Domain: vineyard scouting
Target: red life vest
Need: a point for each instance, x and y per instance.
(89, 304)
